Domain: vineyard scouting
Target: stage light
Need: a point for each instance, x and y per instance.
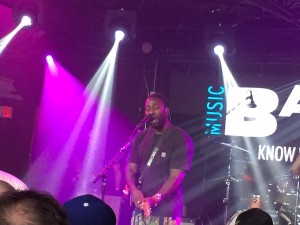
(219, 50)
(51, 65)
(49, 59)
(219, 35)
(119, 35)
(120, 20)
(25, 10)
(26, 21)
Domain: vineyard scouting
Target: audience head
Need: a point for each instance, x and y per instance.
(4, 187)
(13, 181)
(254, 216)
(89, 210)
(30, 207)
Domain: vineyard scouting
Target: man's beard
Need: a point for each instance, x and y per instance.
(158, 123)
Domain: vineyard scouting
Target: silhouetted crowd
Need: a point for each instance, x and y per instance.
(22, 206)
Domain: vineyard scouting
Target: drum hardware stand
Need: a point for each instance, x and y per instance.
(297, 200)
(228, 181)
(229, 178)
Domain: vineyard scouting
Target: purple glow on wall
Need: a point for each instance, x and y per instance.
(63, 131)
(6, 21)
(60, 107)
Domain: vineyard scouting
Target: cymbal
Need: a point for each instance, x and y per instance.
(233, 179)
(234, 147)
(243, 161)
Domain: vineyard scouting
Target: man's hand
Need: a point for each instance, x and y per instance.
(137, 198)
(154, 200)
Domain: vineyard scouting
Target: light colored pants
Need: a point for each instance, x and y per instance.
(140, 219)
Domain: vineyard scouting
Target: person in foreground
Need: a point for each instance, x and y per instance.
(28, 207)
(13, 181)
(254, 216)
(89, 210)
(4, 187)
(159, 158)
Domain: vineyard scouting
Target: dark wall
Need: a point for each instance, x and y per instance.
(24, 74)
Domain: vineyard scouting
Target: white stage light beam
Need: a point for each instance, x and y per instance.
(219, 50)
(26, 21)
(119, 35)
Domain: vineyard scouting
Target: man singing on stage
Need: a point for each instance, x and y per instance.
(158, 161)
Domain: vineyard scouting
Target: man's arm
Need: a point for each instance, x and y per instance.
(131, 175)
(175, 179)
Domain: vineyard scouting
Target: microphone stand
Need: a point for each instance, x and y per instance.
(118, 156)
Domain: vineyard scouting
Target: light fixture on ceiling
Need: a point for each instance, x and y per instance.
(120, 20)
(26, 12)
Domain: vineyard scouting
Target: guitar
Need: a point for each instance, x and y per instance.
(145, 205)
(146, 208)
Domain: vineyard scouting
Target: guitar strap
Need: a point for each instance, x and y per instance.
(153, 154)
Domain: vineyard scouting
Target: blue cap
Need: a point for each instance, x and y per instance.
(89, 210)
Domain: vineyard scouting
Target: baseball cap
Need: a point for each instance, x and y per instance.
(89, 210)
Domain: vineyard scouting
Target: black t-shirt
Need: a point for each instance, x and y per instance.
(175, 152)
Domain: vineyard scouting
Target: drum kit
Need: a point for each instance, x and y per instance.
(281, 199)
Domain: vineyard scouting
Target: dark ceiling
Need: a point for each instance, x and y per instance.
(181, 29)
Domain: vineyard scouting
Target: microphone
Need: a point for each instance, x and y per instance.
(252, 103)
(146, 119)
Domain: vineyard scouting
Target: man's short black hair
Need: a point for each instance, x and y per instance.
(30, 207)
(160, 96)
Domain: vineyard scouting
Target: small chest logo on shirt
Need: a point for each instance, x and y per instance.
(163, 154)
